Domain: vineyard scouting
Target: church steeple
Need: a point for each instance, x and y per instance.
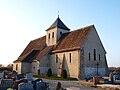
(59, 24)
(55, 31)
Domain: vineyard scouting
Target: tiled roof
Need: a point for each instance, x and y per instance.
(43, 52)
(72, 40)
(31, 56)
(58, 23)
(37, 44)
(69, 41)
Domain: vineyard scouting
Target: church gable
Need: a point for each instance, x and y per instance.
(94, 55)
(93, 41)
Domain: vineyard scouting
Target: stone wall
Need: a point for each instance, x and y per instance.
(17, 67)
(92, 43)
(64, 63)
(53, 39)
(35, 67)
(44, 64)
(26, 67)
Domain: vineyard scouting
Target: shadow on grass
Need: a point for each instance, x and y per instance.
(54, 78)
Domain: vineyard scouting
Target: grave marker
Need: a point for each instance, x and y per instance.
(25, 86)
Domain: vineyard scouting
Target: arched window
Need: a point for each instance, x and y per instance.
(49, 35)
(52, 34)
(16, 66)
(94, 54)
(89, 56)
(56, 58)
(105, 57)
(60, 33)
(34, 68)
(70, 57)
(99, 57)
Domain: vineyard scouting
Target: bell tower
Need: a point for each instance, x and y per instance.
(55, 31)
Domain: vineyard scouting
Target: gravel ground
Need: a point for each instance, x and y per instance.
(74, 85)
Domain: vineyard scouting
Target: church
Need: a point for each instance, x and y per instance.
(80, 53)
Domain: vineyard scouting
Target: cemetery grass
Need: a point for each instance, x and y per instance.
(54, 78)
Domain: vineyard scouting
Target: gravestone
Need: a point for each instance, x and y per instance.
(1, 75)
(34, 82)
(29, 76)
(114, 79)
(25, 86)
(95, 79)
(41, 85)
(117, 76)
(111, 77)
(6, 83)
(20, 76)
(17, 82)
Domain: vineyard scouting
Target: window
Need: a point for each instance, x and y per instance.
(60, 33)
(56, 58)
(34, 68)
(16, 66)
(49, 36)
(99, 57)
(105, 57)
(94, 54)
(53, 35)
(89, 56)
(70, 57)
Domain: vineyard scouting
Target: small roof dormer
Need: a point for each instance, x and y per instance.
(59, 24)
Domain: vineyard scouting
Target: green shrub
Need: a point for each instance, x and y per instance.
(64, 74)
(49, 72)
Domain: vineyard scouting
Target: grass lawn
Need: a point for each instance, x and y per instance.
(54, 78)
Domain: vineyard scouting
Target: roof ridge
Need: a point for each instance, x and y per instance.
(82, 28)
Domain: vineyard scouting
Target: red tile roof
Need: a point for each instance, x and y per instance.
(69, 41)
(43, 52)
(72, 40)
(37, 44)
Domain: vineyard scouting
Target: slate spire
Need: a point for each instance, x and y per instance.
(58, 23)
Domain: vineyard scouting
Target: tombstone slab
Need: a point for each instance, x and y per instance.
(25, 86)
(41, 85)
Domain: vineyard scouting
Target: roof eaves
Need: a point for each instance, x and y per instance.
(16, 61)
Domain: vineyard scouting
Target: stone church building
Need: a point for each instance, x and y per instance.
(80, 53)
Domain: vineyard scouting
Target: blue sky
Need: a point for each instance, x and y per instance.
(24, 20)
